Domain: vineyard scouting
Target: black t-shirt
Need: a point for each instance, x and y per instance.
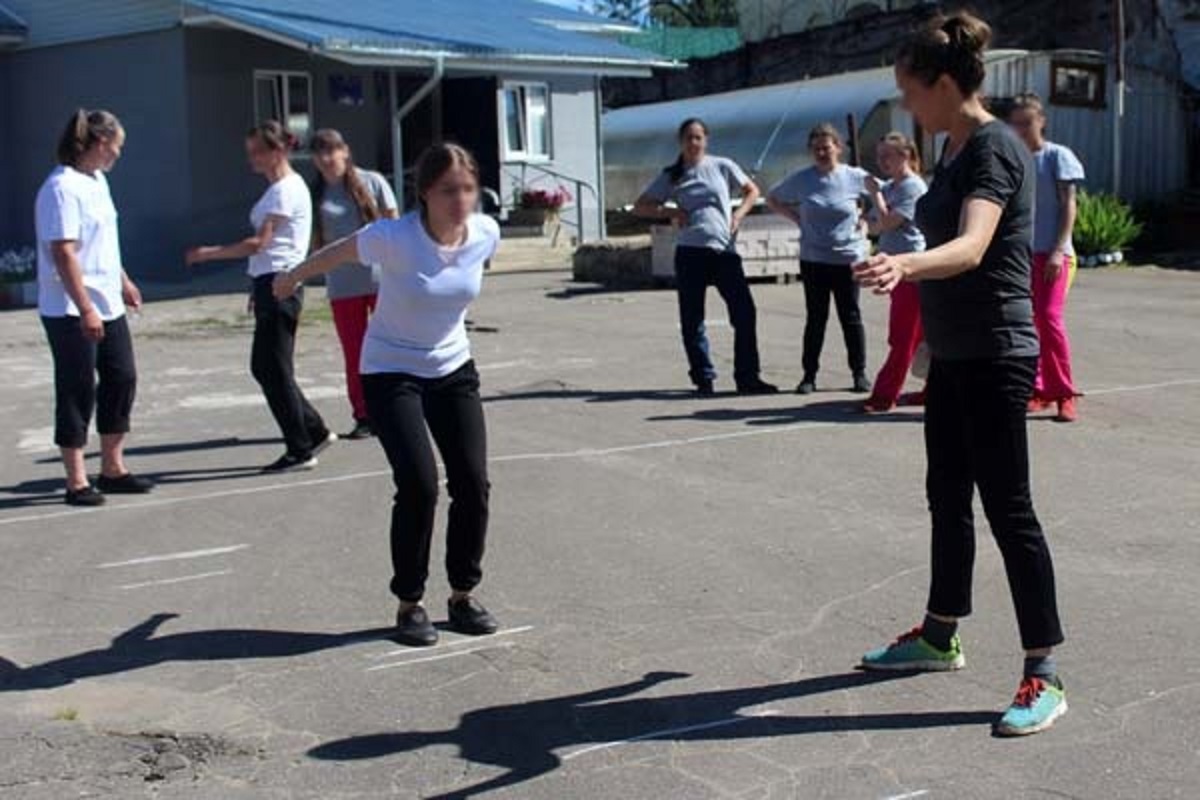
(988, 311)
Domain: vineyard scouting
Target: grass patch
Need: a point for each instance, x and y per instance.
(66, 715)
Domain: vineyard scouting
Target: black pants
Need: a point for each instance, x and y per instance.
(273, 366)
(77, 361)
(400, 407)
(821, 281)
(697, 268)
(975, 436)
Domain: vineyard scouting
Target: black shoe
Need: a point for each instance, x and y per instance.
(470, 617)
(126, 484)
(757, 386)
(291, 462)
(362, 430)
(321, 440)
(808, 385)
(862, 385)
(705, 389)
(413, 628)
(87, 497)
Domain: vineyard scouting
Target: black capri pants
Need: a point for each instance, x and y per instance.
(77, 393)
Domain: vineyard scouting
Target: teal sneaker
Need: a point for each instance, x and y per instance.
(911, 653)
(1035, 708)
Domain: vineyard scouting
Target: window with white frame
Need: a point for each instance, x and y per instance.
(525, 108)
(287, 97)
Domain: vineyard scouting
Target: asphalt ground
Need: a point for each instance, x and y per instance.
(685, 585)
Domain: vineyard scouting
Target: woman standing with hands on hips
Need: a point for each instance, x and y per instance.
(898, 233)
(975, 304)
(346, 198)
(1058, 170)
(282, 221)
(417, 372)
(705, 255)
(83, 292)
(823, 201)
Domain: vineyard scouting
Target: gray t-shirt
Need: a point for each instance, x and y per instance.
(902, 197)
(828, 206)
(704, 191)
(339, 217)
(1055, 164)
(986, 312)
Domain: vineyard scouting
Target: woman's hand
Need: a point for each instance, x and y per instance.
(92, 325)
(1054, 266)
(195, 255)
(872, 185)
(880, 273)
(284, 285)
(131, 294)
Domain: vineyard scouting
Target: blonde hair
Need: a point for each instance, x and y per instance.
(906, 146)
(84, 129)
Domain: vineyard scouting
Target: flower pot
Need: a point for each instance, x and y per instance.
(544, 218)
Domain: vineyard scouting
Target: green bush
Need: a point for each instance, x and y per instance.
(1104, 225)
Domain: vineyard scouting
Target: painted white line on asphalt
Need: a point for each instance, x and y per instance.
(659, 445)
(184, 579)
(1145, 387)
(669, 732)
(214, 551)
(458, 643)
(908, 795)
(441, 657)
(569, 454)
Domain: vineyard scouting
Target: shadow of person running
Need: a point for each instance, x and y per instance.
(830, 411)
(525, 738)
(139, 647)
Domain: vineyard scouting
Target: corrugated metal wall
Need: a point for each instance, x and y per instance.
(1154, 145)
(60, 21)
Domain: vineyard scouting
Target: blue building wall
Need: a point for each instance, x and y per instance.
(140, 78)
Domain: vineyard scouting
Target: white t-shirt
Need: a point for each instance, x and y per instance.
(419, 324)
(288, 199)
(75, 206)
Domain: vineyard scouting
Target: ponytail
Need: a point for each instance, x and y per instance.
(83, 130)
(675, 171)
(274, 135)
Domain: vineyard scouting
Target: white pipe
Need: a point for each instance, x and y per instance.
(398, 115)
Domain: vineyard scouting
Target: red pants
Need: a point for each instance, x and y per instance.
(904, 334)
(1054, 380)
(350, 317)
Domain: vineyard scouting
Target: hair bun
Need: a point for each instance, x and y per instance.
(967, 32)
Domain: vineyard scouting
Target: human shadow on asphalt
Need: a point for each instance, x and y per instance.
(528, 739)
(49, 491)
(173, 448)
(596, 395)
(840, 411)
(139, 647)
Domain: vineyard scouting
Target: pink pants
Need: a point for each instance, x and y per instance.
(904, 334)
(350, 317)
(1054, 380)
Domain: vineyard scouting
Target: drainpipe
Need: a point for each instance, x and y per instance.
(398, 113)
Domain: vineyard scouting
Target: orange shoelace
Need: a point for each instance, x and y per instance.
(1029, 691)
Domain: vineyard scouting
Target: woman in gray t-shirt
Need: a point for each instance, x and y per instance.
(346, 198)
(823, 200)
(705, 254)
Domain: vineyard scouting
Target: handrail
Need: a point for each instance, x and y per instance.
(579, 183)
